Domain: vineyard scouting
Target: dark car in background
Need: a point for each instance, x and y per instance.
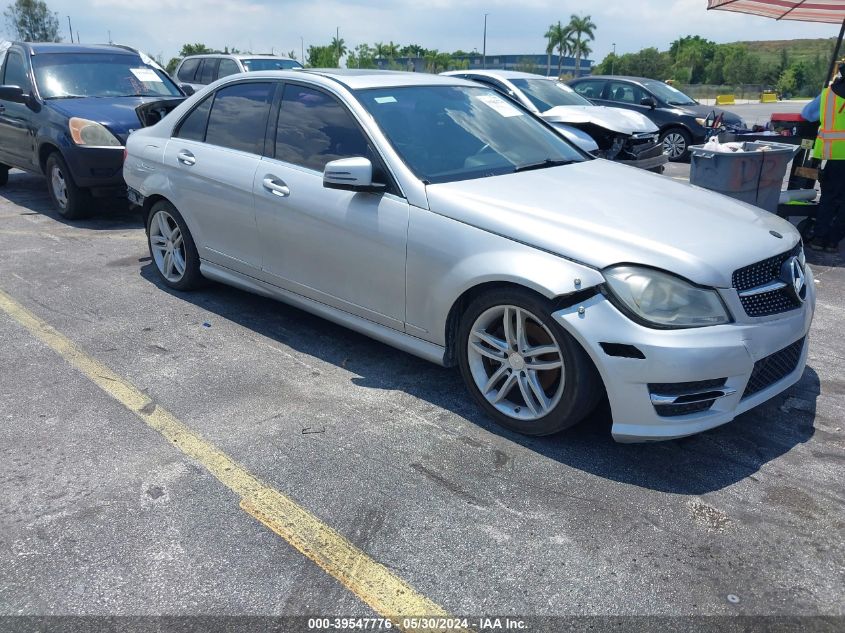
(196, 71)
(681, 119)
(66, 111)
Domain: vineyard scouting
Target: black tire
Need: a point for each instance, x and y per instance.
(807, 229)
(191, 278)
(581, 389)
(72, 203)
(677, 137)
(4, 175)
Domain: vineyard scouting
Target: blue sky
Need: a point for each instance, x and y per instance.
(160, 28)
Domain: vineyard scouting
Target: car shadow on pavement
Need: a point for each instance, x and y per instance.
(30, 191)
(692, 466)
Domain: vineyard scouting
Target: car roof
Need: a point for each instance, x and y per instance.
(357, 79)
(501, 74)
(240, 56)
(36, 48)
(636, 80)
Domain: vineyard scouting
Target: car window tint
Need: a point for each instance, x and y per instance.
(16, 74)
(209, 67)
(227, 67)
(589, 89)
(238, 117)
(315, 128)
(193, 126)
(625, 93)
(188, 69)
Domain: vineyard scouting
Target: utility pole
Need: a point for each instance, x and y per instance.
(302, 49)
(110, 37)
(613, 60)
(337, 43)
(484, 49)
(70, 28)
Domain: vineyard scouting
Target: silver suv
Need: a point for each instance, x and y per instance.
(438, 216)
(197, 71)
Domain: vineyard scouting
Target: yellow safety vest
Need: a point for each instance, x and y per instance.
(830, 144)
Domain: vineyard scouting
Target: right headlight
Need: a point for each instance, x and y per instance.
(665, 300)
(90, 133)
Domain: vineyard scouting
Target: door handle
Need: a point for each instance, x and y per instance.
(276, 186)
(186, 158)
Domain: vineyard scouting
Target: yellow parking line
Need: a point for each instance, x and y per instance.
(386, 593)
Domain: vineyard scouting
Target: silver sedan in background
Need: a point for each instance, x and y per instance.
(436, 215)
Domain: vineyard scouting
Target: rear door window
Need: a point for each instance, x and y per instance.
(238, 118)
(193, 126)
(188, 69)
(590, 89)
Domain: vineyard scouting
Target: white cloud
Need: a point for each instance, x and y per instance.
(160, 27)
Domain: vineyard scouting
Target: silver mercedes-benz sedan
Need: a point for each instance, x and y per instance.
(435, 215)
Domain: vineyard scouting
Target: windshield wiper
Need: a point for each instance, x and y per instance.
(66, 97)
(549, 162)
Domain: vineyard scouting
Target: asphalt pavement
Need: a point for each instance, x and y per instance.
(107, 510)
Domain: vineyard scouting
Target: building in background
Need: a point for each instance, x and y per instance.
(529, 63)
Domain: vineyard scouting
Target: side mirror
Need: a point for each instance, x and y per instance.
(188, 90)
(649, 102)
(12, 93)
(350, 174)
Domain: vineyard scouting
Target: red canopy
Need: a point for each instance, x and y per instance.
(832, 11)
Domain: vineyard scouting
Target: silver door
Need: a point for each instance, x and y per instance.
(341, 248)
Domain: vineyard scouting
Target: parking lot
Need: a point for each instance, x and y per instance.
(219, 453)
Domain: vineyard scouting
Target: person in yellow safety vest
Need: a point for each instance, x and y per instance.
(829, 108)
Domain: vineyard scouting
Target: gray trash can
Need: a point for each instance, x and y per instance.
(752, 176)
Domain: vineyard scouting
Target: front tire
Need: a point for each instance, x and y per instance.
(72, 202)
(172, 248)
(676, 143)
(521, 367)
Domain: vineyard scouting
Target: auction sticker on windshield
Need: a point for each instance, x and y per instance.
(499, 105)
(146, 74)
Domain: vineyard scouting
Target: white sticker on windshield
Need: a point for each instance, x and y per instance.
(385, 99)
(499, 105)
(146, 74)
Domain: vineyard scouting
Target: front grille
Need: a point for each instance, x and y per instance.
(767, 371)
(760, 274)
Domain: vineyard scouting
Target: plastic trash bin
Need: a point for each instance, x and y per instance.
(751, 175)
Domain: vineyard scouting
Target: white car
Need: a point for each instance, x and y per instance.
(438, 216)
(621, 135)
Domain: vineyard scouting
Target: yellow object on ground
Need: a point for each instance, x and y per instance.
(768, 97)
(725, 100)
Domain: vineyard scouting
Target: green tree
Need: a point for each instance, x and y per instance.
(32, 21)
(339, 46)
(322, 57)
(363, 56)
(582, 29)
(562, 38)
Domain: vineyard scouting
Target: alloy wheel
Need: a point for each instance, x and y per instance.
(168, 246)
(674, 145)
(515, 362)
(59, 185)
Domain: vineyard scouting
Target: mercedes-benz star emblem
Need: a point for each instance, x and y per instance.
(792, 275)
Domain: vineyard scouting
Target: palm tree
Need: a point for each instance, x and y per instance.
(582, 28)
(559, 37)
(339, 46)
(550, 48)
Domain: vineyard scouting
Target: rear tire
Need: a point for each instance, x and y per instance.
(676, 142)
(530, 376)
(172, 248)
(71, 202)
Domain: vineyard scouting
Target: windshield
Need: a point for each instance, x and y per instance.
(449, 133)
(69, 75)
(546, 94)
(668, 94)
(270, 64)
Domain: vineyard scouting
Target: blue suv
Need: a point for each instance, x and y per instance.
(67, 110)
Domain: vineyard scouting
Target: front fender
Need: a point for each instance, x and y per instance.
(446, 258)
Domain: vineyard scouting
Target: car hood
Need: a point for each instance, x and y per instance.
(118, 114)
(703, 111)
(613, 119)
(601, 213)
